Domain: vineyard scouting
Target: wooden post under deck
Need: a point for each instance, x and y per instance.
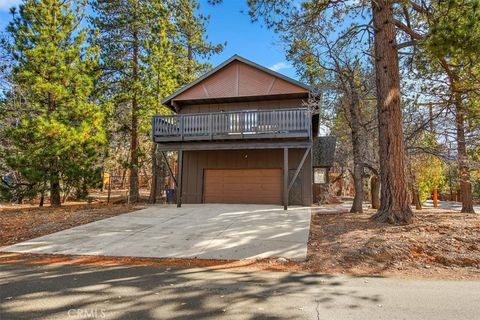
(179, 178)
(155, 174)
(285, 178)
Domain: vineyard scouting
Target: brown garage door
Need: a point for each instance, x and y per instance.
(263, 186)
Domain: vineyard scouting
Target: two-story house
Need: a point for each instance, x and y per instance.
(242, 136)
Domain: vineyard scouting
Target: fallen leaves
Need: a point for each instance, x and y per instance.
(444, 242)
(26, 222)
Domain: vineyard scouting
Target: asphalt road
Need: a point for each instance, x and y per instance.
(92, 292)
(449, 205)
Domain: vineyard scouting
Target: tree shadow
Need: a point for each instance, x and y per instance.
(50, 291)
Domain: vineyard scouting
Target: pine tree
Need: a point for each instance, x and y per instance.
(121, 26)
(161, 77)
(55, 138)
(193, 43)
(447, 40)
(453, 41)
(145, 55)
(283, 15)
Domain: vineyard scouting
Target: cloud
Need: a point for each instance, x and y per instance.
(279, 66)
(5, 5)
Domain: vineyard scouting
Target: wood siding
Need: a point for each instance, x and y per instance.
(195, 163)
(237, 79)
(244, 105)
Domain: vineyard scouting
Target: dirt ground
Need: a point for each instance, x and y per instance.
(22, 222)
(439, 244)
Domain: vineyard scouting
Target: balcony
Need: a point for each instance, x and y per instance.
(241, 125)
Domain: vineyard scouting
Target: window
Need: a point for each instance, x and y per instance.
(319, 175)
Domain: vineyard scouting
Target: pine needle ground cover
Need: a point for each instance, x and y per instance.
(439, 244)
(23, 222)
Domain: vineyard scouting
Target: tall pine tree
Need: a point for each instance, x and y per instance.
(148, 48)
(121, 26)
(191, 37)
(55, 138)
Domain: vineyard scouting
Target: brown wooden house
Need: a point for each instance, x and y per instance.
(242, 136)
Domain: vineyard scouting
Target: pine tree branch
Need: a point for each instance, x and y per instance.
(415, 35)
(407, 44)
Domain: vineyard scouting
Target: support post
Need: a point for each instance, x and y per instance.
(169, 169)
(154, 174)
(179, 179)
(285, 178)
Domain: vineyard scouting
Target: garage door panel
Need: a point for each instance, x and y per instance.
(260, 200)
(243, 186)
(245, 179)
(218, 186)
(241, 172)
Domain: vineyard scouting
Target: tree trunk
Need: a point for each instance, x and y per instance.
(340, 187)
(375, 192)
(357, 205)
(465, 184)
(394, 206)
(155, 171)
(155, 166)
(42, 199)
(42, 194)
(133, 191)
(415, 193)
(189, 61)
(416, 198)
(55, 200)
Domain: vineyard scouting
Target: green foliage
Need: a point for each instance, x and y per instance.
(476, 188)
(429, 175)
(170, 36)
(56, 132)
(191, 41)
(454, 28)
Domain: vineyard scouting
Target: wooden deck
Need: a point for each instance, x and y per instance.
(240, 125)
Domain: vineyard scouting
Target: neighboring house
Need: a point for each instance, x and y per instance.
(242, 136)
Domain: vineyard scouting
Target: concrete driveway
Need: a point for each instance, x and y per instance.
(208, 231)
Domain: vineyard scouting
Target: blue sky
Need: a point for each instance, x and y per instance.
(227, 24)
(250, 40)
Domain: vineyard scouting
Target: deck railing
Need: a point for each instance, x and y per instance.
(279, 123)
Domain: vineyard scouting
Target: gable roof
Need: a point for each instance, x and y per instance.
(287, 80)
